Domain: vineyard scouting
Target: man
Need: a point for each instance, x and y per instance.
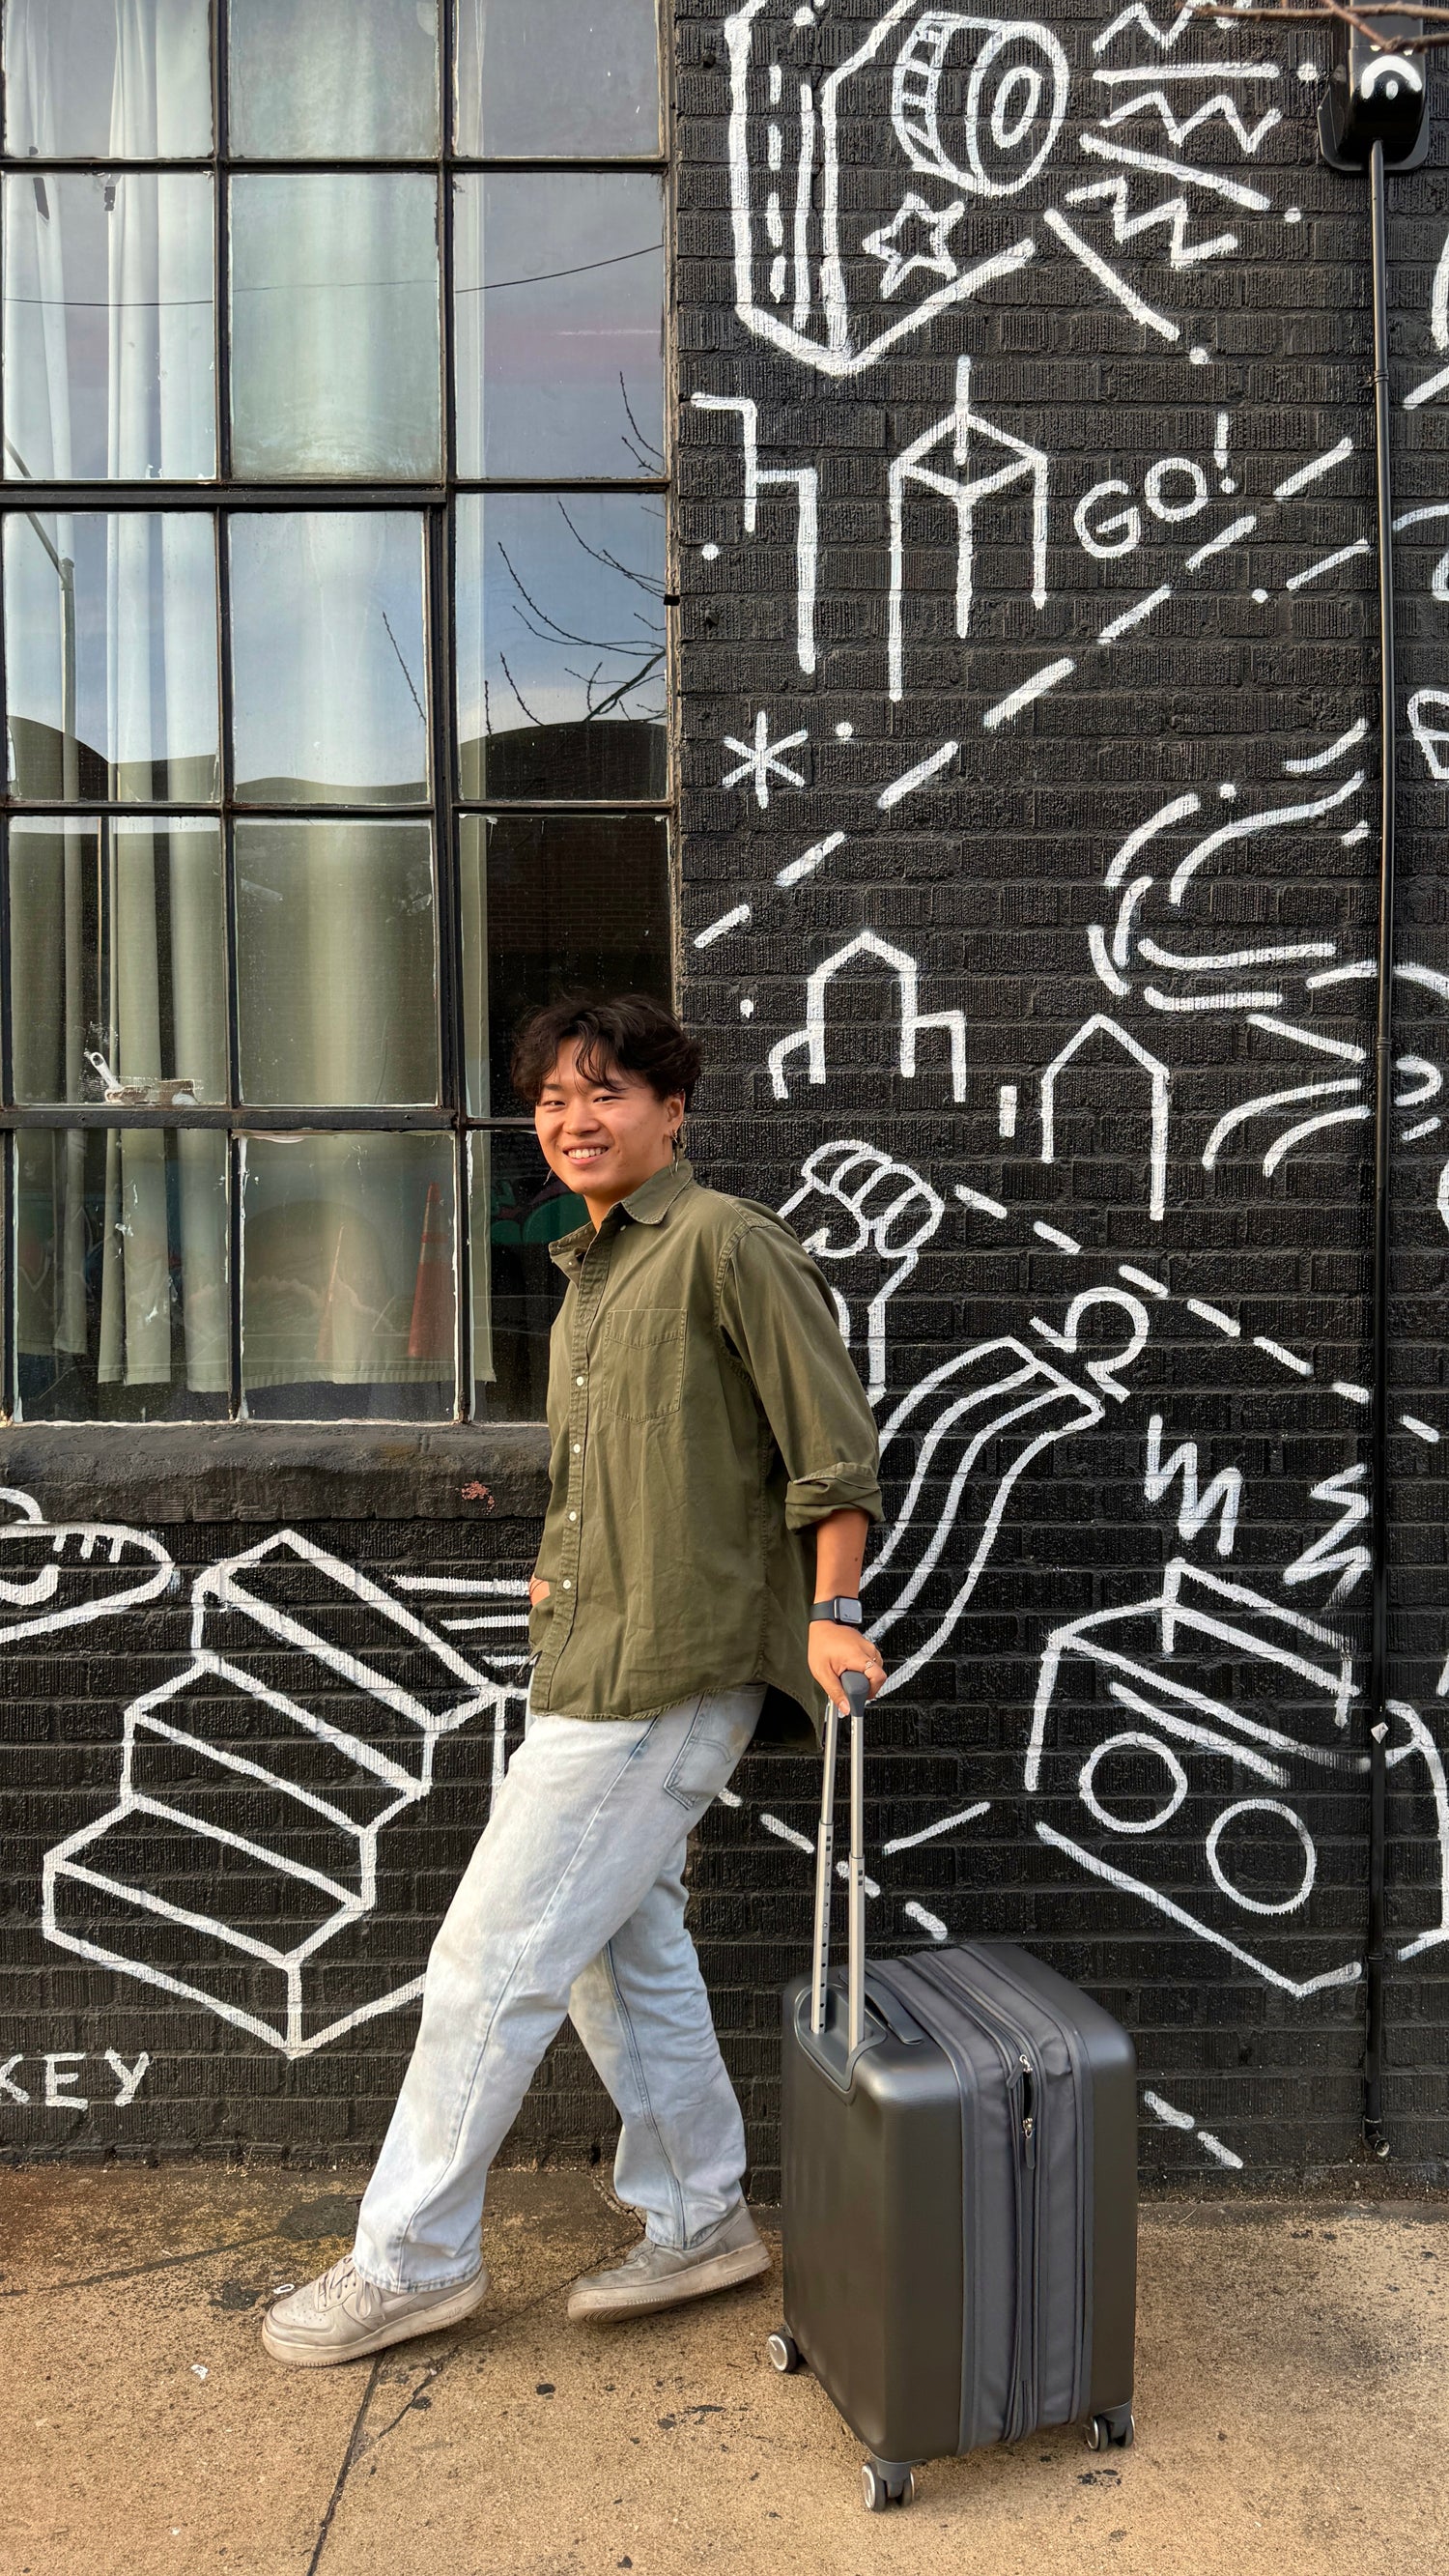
(713, 1476)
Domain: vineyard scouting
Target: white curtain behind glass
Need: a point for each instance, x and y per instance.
(158, 423)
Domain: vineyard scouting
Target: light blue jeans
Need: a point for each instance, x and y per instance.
(572, 1902)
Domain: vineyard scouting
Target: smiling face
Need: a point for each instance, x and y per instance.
(603, 1136)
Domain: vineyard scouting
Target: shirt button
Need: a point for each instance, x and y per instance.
(578, 1381)
(573, 1516)
(578, 1444)
(567, 1585)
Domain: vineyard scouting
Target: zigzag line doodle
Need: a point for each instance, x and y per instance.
(1220, 1499)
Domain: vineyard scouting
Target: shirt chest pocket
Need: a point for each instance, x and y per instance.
(638, 1368)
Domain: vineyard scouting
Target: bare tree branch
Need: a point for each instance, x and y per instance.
(1358, 14)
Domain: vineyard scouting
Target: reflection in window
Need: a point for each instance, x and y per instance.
(559, 296)
(348, 1294)
(518, 1210)
(334, 321)
(108, 326)
(118, 960)
(561, 645)
(329, 673)
(95, 78)
(344, 80)
(121, 1279)
(554, 903)
(548, 78)
(110, 654)
(335, 961)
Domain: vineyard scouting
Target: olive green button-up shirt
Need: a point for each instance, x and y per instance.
(705, 1415)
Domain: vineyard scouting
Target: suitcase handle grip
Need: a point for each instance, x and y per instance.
(857, 1691)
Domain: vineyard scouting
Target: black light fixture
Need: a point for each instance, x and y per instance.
(1375, 94)
(1372, 119)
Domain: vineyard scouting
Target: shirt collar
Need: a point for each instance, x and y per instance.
(648, 1205)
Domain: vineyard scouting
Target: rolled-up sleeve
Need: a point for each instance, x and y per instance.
(777, 1312)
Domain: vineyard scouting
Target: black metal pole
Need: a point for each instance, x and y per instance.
(1373, 2105)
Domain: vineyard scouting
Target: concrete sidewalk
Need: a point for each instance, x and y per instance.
(1292, 2406)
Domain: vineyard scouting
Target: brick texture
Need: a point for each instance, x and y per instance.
(1117, 1359)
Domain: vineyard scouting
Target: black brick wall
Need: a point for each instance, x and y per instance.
(1244, 1313)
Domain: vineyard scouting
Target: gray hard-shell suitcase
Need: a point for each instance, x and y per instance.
(959, 2188)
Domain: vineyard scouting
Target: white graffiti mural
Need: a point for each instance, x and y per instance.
(1180, 1740)
(312, 1707)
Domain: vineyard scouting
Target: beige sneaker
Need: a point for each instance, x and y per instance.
(654, 2277)
(340, 2316)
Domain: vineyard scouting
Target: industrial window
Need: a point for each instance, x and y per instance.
(335, 675)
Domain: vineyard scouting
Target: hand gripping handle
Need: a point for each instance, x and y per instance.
(857, 1691)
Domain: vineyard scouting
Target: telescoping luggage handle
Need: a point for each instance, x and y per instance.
(857, 1691)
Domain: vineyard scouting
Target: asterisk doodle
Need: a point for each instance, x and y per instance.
(760, 759)
(887, 244)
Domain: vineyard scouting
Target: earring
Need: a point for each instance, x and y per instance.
(675, 1141)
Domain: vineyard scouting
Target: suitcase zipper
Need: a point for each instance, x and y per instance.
(1020, 2080)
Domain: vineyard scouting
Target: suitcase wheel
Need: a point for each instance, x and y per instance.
(884, 2483)
(1114, 2432)
(784, 2352)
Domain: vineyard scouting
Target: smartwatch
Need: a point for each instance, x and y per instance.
(845, 1613)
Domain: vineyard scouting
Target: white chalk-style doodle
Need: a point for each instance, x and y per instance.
(1106, 1369)
(1144, 92)
(1141, 1706)
(1013, 108)
(804, 481)
(1335, 1550)
(1439, 578)
(950, 443)
(853, 1200)
(899, 244)
(977, 111)
(1425, 1781)
(257, 1922)
(1219, 1500)
(62, 1575)
(1438, 334)
(913, 1020)
(801, 279)
(1137, 15)
(970, 1430)
(761, 760)
(1170, 2117)
(1159, 1087)
(1429, 724)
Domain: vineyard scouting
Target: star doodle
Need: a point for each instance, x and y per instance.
(886, 245)
(761, 759)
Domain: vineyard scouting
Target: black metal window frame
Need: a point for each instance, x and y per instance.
(445, 807)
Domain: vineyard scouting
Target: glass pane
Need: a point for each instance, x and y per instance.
(118, 961)
(329, 673)
(517, 1209)
(547, 78)
(109, 356)
(94, 78)
(110, 654)
(554, 903)
(350, 80)
(121, 1276)
(334, 322)
(348, 1293)
(336, 964)
(559, 318)
(561, 673)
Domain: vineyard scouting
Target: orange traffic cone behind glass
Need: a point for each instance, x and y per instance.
(430, 1335)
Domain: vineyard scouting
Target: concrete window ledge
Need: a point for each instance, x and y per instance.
(230, 1471)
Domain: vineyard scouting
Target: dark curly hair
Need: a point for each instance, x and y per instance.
(629, 1033)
